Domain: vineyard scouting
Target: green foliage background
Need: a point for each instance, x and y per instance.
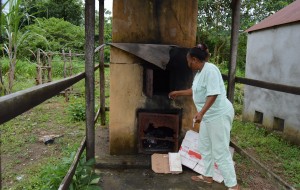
(54, 35)
(68, 10)
(214, 26)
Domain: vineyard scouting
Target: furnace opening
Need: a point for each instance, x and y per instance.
(158, 130)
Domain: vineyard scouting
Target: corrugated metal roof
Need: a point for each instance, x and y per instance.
(289, 14)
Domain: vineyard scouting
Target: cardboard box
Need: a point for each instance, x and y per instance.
(189, 150)
(191, 158)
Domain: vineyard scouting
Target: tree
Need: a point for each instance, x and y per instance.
(214, 18)
(57, 35)
(68, 10)
(255, 11)
(107, 31)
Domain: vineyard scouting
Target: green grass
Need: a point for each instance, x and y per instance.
(48, 172)
(270, 148)
(21, 134)
(20, 139)
(25, 73)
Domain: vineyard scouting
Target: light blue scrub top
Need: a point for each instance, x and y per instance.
(208, 82)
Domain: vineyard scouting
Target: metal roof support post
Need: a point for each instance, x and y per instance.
(89, 78)
(235, 25)
(101, 62)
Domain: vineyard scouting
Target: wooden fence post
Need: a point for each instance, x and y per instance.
(65, 74)
(64, 58)
(235, 25)
(43, 67)
(101, 62)
(71, 64)
(50, 67)
(89, 79)
(39, 68)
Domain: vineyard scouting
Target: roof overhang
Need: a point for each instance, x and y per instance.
(156, 54)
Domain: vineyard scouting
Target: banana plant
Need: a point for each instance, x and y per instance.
(2, 87)
(13, 21)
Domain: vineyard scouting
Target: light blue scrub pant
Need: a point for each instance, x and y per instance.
(214, 147)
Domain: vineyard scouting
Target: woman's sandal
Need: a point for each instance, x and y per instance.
(202, 178)
(237, 187)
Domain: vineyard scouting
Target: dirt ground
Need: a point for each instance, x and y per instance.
(252, 178)
(23, 160)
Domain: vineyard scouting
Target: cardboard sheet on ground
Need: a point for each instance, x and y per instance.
(166, 163)
(160, 163)
(175, 163)
(191, 158)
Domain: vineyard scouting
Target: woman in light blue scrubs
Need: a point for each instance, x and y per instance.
(216, 112)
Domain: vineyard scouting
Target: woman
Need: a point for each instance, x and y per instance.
(217, 113)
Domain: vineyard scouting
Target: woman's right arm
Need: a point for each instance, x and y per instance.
(174, 94)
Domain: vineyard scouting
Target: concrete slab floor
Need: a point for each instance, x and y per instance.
(105, 160)
(132, 179)
(126, 172)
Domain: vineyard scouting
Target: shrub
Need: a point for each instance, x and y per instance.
(58, 66)
(24, 69)
(53, 174)
(77, 111)
(53, 34)
(85, 177)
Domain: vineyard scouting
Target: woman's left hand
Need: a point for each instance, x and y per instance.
(198, 117)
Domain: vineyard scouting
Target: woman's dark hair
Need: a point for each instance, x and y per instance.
(200, 52)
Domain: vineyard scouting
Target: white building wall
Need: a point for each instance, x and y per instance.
(273, 55)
